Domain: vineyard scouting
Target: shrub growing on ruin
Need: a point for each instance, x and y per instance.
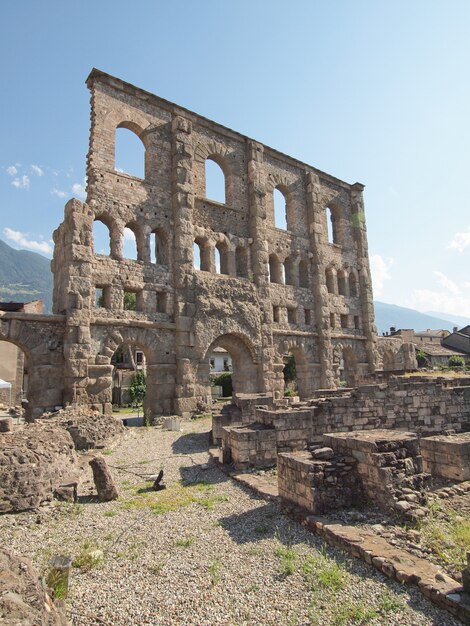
(456, 361)
(224, 380)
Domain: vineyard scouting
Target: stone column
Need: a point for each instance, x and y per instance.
(318, 278)
(365, 284)
(260, 260)
(184, 307)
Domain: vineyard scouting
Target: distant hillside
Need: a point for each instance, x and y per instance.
(459, 320)
(24, 276)
(387, 315)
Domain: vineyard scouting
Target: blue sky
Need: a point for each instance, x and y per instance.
(370, 91)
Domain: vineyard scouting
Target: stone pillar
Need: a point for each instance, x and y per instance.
(358, 223)
(318, 278)
(260, 258)
(184, 307)
(77, 255)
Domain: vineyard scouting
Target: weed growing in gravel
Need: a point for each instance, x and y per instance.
(262, 529)
(324, 571)
(288, 560)
(176, 496)
(446, 534)
(352, 612)
(185, 542)
(110, 513)
(56, 580)
(389, 603)
(156, 568)
(89, 556)
(214, 571)
(107, 452)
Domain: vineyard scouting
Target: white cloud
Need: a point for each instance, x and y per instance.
(447, 283)
(22, 240)
(380, 270)
(79, 189)
(129, 235)
(11, 170)
(59, 193)
(37, 170)
(451, 299)
(22, 182)
(460, 241)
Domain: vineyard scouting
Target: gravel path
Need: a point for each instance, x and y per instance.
(202, 552)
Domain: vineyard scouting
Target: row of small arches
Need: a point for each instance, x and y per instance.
(130, 159)
(131, 242)
(341, 282)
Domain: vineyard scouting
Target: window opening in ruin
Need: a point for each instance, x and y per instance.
(202, 256)
(342, 286)
(130, 301)
(280, 209)
(332, 320)
(356, 322)
(289, 271)
(291, 315)
(161, 301)
(344, 321)
(101, 238)
(241, 261)
(217, 260)
(129, 153)
(331, 226)
(129, 244)
(352, 285)
(215, 181)
(158, 248)
(276, 270)
(308, 317)
(13, 370)
(303, 274)
(276, 314)
(330, 281)
(99, 298)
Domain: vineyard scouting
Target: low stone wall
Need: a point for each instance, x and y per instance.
(317, 485)
(447, 456)
(380, 466)
(249, 446)
(389, 465)
(34, 462)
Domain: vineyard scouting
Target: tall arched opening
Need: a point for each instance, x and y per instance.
(14, 372)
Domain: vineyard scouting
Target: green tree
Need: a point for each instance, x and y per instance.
(224, 379)
(421, 358)
(130, 301)
(456, 361)
(138, 388)
(290, 371)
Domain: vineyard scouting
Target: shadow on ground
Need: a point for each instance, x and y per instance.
(192, 443)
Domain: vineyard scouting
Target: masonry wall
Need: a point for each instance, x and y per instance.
(322, 311)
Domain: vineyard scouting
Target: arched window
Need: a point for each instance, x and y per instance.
(241, 261)
(276, 273)
(352, 285)
(303, 274)
(129, 243)
(330, 276)
(332, 226)
(101, 238)
(342, 283)
(215, 181)
(129, 152)
(289, 271)
(202, 255)
(158, 247)
(280, 209)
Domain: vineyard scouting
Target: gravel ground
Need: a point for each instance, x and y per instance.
(206, 552)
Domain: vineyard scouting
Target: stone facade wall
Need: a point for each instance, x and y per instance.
(276, 291)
